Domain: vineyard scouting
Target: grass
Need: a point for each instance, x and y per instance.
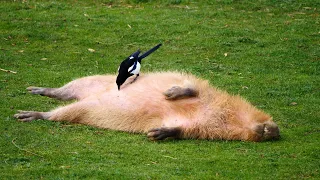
(266, 51)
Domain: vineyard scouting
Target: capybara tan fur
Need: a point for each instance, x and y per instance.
(163, 105)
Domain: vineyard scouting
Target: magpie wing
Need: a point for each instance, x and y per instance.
(135, 54)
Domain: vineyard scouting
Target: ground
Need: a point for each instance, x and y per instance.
(266, 51)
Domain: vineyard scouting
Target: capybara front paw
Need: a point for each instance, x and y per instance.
(156, 134)
(173, 93)
(163, 133)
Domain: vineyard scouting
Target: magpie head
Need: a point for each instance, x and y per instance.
(121, 78)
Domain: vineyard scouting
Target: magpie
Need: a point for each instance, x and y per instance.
(131, 66)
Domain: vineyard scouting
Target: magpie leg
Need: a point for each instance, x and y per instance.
(164, 132)
(177, 92)
(135, 78)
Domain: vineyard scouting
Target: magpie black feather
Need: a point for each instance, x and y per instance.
(149, 52)
(131, 65)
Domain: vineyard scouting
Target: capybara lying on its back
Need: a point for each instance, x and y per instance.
(163, 105)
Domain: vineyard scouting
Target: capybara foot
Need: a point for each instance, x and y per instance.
(39, 90)
(26, 116)
(52, 93)
(163, 133)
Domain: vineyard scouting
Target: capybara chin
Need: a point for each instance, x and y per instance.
(163, 105)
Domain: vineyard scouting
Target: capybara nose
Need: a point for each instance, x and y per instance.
(271, 131)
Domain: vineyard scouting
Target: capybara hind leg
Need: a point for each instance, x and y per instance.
(77, 89)
(62, 93)
(26, 116)
(163, 133)
(177, 92)
(73, 112)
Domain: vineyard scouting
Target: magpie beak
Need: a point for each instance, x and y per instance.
(131, 65)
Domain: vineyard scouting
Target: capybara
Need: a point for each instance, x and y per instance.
(163, 105)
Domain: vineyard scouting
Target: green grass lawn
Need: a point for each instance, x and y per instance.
(268, 51)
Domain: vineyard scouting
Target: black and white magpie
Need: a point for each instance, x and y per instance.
(131, 66)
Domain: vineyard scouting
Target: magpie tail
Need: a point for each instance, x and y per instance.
(149, 52)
